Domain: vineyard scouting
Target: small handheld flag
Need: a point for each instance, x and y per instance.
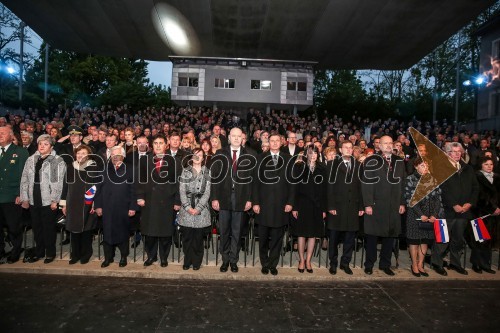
(89, 195)
(441, 231)
(479, 229)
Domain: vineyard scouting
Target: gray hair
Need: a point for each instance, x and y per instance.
(122, 150)
(47, 138)
(451, 145)
(28, 134)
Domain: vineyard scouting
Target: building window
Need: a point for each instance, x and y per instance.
(260, 85)
(224, 83)
(301, 86)
(291, 85)
(188, 80)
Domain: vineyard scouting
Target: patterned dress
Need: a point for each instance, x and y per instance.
(430, 205)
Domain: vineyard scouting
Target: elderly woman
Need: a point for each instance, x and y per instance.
(421, 215)
(41, 189)
(78, 204)
(194, 215)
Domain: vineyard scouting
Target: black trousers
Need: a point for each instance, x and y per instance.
(11, 220)
(385, 252)
(81, 245)
(43, 223)
(192, 245)
(230, 227)
(456, 229)
(153, 245)
(347, 249)
(109, 250)
(270, 243)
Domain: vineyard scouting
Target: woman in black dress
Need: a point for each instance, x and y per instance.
(310, 208)
(488, 203)
(77, 204)
(426, 211)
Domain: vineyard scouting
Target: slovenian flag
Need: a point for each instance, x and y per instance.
(441, 231)
(89, 195)
(480, 232)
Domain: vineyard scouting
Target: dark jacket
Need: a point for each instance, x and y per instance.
(11, 170)
(273, 189)
(382, 189)
(489, 194)
(224, 182)
(461, 188)
(116, 196)
(160, 191)
(344, 195)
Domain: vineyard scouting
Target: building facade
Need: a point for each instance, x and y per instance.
(488, 102)
(240, 84)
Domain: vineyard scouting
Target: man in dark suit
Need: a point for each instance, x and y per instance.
(231, 195)
(12, 160)
(104, 154)
(291, 148)
(459, 195)
(174, 150)
(273, 196)
(345, 206)
(158, 197)
(116, 202)
(217, 132)
(382, 190)
(28, 144)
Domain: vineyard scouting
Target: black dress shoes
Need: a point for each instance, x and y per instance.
(224, 267)
(301, 270)
(477, 269)
(123, 262)
(332, 270)
(440, 270)
(459, 270)
(149, 262)
(84, 261)
(74, 261)
(106, 263)
(185, 267)
(388, 271)
(489, 270)
(273, 271)
(234, 268)
(346, 269)
(368, 271)
(48, 260)
(12, 259)
(196, 268)
(164, 263)
(264, 270)
(33, 259)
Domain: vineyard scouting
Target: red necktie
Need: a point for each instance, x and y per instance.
(234, 160)
(158, 164)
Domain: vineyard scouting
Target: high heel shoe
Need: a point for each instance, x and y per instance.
(309, 270)
(301, 270)
(417, 274)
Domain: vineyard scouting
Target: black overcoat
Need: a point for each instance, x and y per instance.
(273, 189)
(382, 189)
(223, 178)
(116, 195)
(160, 191)
(344, 195)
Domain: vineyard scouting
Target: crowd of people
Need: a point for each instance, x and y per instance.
(150, 170)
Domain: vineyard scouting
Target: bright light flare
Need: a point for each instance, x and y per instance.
(480, 80)
(175, 30)
(467, 83)
(10, 70)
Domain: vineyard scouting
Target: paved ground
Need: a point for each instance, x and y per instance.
(54, 303)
